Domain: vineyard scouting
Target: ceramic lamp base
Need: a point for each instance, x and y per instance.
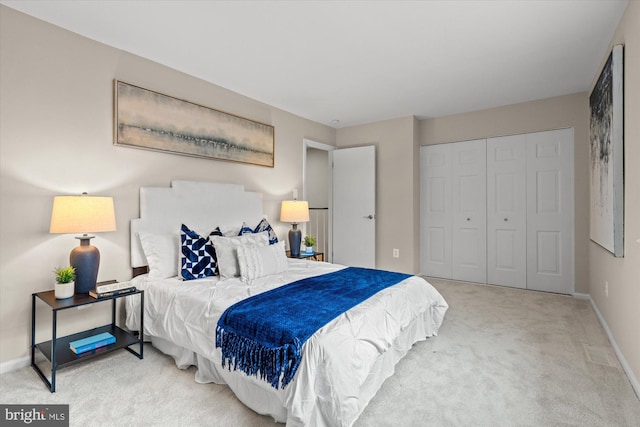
(295, 237)
(85, 259)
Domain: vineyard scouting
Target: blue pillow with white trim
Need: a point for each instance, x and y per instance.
(197, 255)
(245, 229)
(263, 225)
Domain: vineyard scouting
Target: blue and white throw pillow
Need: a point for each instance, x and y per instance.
(263, 225)
(245, 229)
(197, 255)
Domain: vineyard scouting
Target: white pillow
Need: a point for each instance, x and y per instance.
(259, 261)
(161, 252)
(227, 251)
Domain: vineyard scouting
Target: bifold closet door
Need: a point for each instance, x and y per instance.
(435, 210)
(469, 230)
(550, 211)
(500, 211)
(507, 211)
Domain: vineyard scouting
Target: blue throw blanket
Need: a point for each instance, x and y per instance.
(263, 335)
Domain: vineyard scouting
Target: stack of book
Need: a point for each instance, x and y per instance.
(92, 343)
(111, 289)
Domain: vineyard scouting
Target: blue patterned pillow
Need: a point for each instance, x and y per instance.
(265, 226)
(245, 229)
(262, 226)
(197, 255)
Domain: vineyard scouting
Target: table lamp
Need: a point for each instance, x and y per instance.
(83, 214)
(295, 212)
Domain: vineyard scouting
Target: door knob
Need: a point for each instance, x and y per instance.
(369, 216)
(506, 219)
(468, 219)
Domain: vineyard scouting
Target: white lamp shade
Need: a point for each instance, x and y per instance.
(82, 214)
(295, 211)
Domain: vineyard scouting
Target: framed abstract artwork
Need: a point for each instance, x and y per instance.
(154, 121)
(606, 133)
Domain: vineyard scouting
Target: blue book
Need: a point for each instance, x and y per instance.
(90, 340)
(93, 346)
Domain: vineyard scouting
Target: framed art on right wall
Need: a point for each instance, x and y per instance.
(606, 134)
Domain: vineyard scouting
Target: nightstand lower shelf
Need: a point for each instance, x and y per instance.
(66, 357)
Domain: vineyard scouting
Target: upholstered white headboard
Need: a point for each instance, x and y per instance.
(200, 205)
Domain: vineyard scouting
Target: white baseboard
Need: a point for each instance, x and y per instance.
(15, 364)
(627, 369)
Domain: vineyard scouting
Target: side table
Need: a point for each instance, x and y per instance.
(57, 350)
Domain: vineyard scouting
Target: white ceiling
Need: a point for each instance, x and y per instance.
(360, 61)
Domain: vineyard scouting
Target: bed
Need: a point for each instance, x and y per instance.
(341, 365)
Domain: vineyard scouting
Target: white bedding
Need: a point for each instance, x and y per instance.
(343, 364)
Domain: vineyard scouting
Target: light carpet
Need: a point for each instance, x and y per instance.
(503, 357)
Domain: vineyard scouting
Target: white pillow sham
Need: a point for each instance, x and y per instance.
(227, 251)
(161, 252)
(260, 261)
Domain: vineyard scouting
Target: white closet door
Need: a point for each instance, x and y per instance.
(507, 211)
(469, 176)
(550, 211)
(435, 207)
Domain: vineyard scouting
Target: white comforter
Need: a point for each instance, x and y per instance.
(343, 364)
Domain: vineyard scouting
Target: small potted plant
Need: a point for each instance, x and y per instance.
(65, 282)
(309, 243)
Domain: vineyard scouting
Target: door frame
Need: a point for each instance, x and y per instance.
(306, 144)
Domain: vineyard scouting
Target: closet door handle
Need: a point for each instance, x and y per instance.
(506, 219)
(468, 219)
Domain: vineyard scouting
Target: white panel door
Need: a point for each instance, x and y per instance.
(506, 211)
(550, 211)
(435, 210)
(469, 205)
(354, 206)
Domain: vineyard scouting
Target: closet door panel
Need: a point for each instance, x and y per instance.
(506, 211)
(435, 208)
(469, 251)
(550, 211)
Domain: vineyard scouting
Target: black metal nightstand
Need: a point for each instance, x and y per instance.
(57, 350)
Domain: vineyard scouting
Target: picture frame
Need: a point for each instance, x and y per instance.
(151, 120)
(606, 134)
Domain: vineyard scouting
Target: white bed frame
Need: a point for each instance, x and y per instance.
(202, 205)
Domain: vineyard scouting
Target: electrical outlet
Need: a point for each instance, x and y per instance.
(396, 253)
(606, 289)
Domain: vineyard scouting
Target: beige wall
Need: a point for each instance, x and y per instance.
(547, 114)
(395, 188)
(56, 138)
(621, 309)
